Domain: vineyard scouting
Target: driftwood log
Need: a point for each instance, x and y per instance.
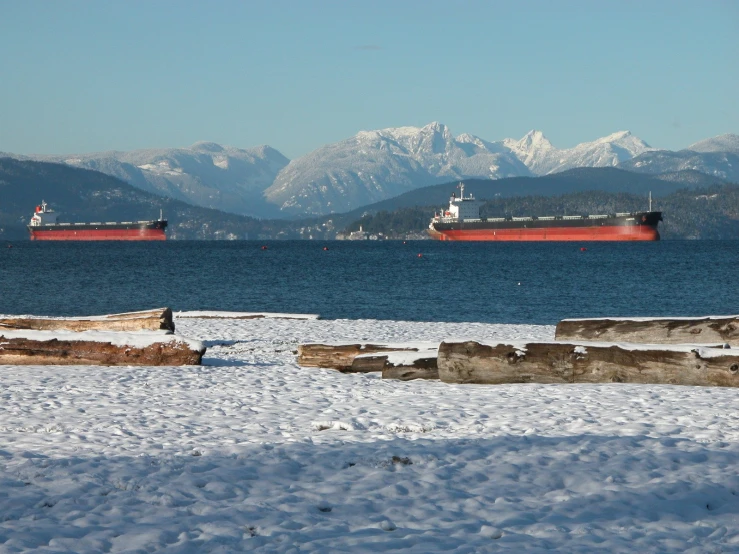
(90, 348)
(702, 330)
(337, 356)
(149, 320)
(394, 361)
(473, 362)
(422, 368)
(398, 365)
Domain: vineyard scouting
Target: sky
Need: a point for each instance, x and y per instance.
(83, 76)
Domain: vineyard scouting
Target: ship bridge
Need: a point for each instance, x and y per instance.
(44, 216)
(463, 208)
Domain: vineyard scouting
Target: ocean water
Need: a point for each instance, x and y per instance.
(537, 283)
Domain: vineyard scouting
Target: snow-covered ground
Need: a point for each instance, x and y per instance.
(252, 453)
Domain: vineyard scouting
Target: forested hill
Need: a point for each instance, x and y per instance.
(703, 213)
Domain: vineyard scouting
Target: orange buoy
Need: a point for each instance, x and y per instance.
(325, 247)
(264, 248)
(583, 249)
(420, 255)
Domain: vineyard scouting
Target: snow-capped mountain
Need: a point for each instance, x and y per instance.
(542, 158)
(717, 156)
(721, 164)
(374, 165)
(205, 174)
(721, 143)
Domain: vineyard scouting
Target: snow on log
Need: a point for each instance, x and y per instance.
(560, 362)
(405, 365)
(29, 347)
(149, 320)
(365, 358)
(679, 330)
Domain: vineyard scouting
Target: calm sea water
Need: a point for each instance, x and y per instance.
(488, 282)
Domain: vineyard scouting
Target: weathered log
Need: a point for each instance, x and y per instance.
(559, 362)
(334, 356)
(97, 348)
(473, 362)
(361, 358)
(700, 330)
(367, 364)
(149, 320)
(403, 365)
(422, 368)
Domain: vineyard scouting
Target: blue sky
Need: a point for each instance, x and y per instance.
(80, 76)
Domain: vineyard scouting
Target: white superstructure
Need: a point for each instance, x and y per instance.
(44, 216)
(461, 208)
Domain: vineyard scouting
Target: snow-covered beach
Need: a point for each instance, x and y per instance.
(252, 453)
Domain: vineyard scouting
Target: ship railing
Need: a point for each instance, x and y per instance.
(571, 217)
(546, 218)
(79, 223)
(623, 214)
(597, 216)
(472, 219)
(522, 218)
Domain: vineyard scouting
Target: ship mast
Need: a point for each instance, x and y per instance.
(650, 200)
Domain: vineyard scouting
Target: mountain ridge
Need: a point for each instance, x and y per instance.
(206, 174)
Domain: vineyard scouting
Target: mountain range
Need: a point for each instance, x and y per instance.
(376, 165)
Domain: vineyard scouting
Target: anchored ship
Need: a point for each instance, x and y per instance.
(45, 225)
(462, 221)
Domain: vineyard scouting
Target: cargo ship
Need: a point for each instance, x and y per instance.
(45, 225)
(462, 222)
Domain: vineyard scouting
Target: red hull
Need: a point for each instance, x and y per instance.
(612, 233)
(99, 234)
